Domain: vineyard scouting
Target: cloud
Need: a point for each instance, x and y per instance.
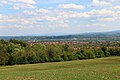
(106, 19)
(29, 12)
(64, 15)
(25, 1)
(58, 24)
(101, 12)
(116, 7)
(100, 3)
(114, 1)
(95, 25)
(15, 7)
(42, 11)
(71, 14)
(18, 6)
(48, 18)
(71, 6)
(23, 4)
(57, 18)
(5, 2)
(0, 16)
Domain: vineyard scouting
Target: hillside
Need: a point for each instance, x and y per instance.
(95, 69)
(95, 36)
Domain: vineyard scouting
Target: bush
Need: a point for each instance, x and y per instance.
(3, 58)
(65, 57)
(89, 55)
(100, 54)
(57, 58)
(114, 52)
(72, 57)
(79, 55)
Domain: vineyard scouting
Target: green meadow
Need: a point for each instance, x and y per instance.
(107, 68)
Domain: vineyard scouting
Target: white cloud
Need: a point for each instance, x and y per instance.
(42, 11)
(114, 1)
(72, 14)
(48, 18)
(58, 18)
(102, 12)
(116, 7)
(95, 25)
(63, 16)
(0, 16)
(58, 24)
(25, 1)
(106, 19)
(71, 6)
(22, 6)
(28, 12)
(101, 3)
(18, 4)
(5, 2)
(15, 7)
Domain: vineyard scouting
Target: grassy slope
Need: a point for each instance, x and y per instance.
(94, 69)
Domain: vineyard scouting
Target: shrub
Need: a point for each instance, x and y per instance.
(89, 55)
(57, 58)
(65, 57)
(79, 55)
(100, 54)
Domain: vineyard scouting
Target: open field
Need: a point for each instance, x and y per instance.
(93, 69)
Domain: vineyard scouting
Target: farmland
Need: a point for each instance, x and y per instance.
(107, 68)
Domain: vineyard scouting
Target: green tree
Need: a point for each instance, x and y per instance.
(3, 58)
(100, 53)
(104, 49)
(79, 55)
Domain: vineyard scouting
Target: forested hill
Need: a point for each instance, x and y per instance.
(95, 36)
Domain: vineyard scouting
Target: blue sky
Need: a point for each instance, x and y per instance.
(58, 17)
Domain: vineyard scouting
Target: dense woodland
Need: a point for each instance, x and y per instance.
(18, 52)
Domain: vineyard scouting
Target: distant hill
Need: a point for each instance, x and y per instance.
(93, 36)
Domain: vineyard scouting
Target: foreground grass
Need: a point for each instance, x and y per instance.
(94, 69)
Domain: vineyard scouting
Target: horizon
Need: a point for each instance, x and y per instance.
(49, 35)
(61, 17)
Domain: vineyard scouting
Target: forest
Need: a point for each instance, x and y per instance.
(18, 52)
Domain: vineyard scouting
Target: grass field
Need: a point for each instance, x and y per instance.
(93, 69)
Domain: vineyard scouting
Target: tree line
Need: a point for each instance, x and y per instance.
(18, 52)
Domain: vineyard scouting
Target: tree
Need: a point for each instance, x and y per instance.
(89, 54)
(3, 55)
(66, 46)
(20, 58)
(79, 55)
(65, 57)
(106, 53)
(100, 53)
(53, 50)
(23, 44)
(57, 58)
(30, 55)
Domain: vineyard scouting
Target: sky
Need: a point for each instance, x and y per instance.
(58, 17)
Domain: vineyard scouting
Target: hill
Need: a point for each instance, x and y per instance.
(95, 69)
(95, 36)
